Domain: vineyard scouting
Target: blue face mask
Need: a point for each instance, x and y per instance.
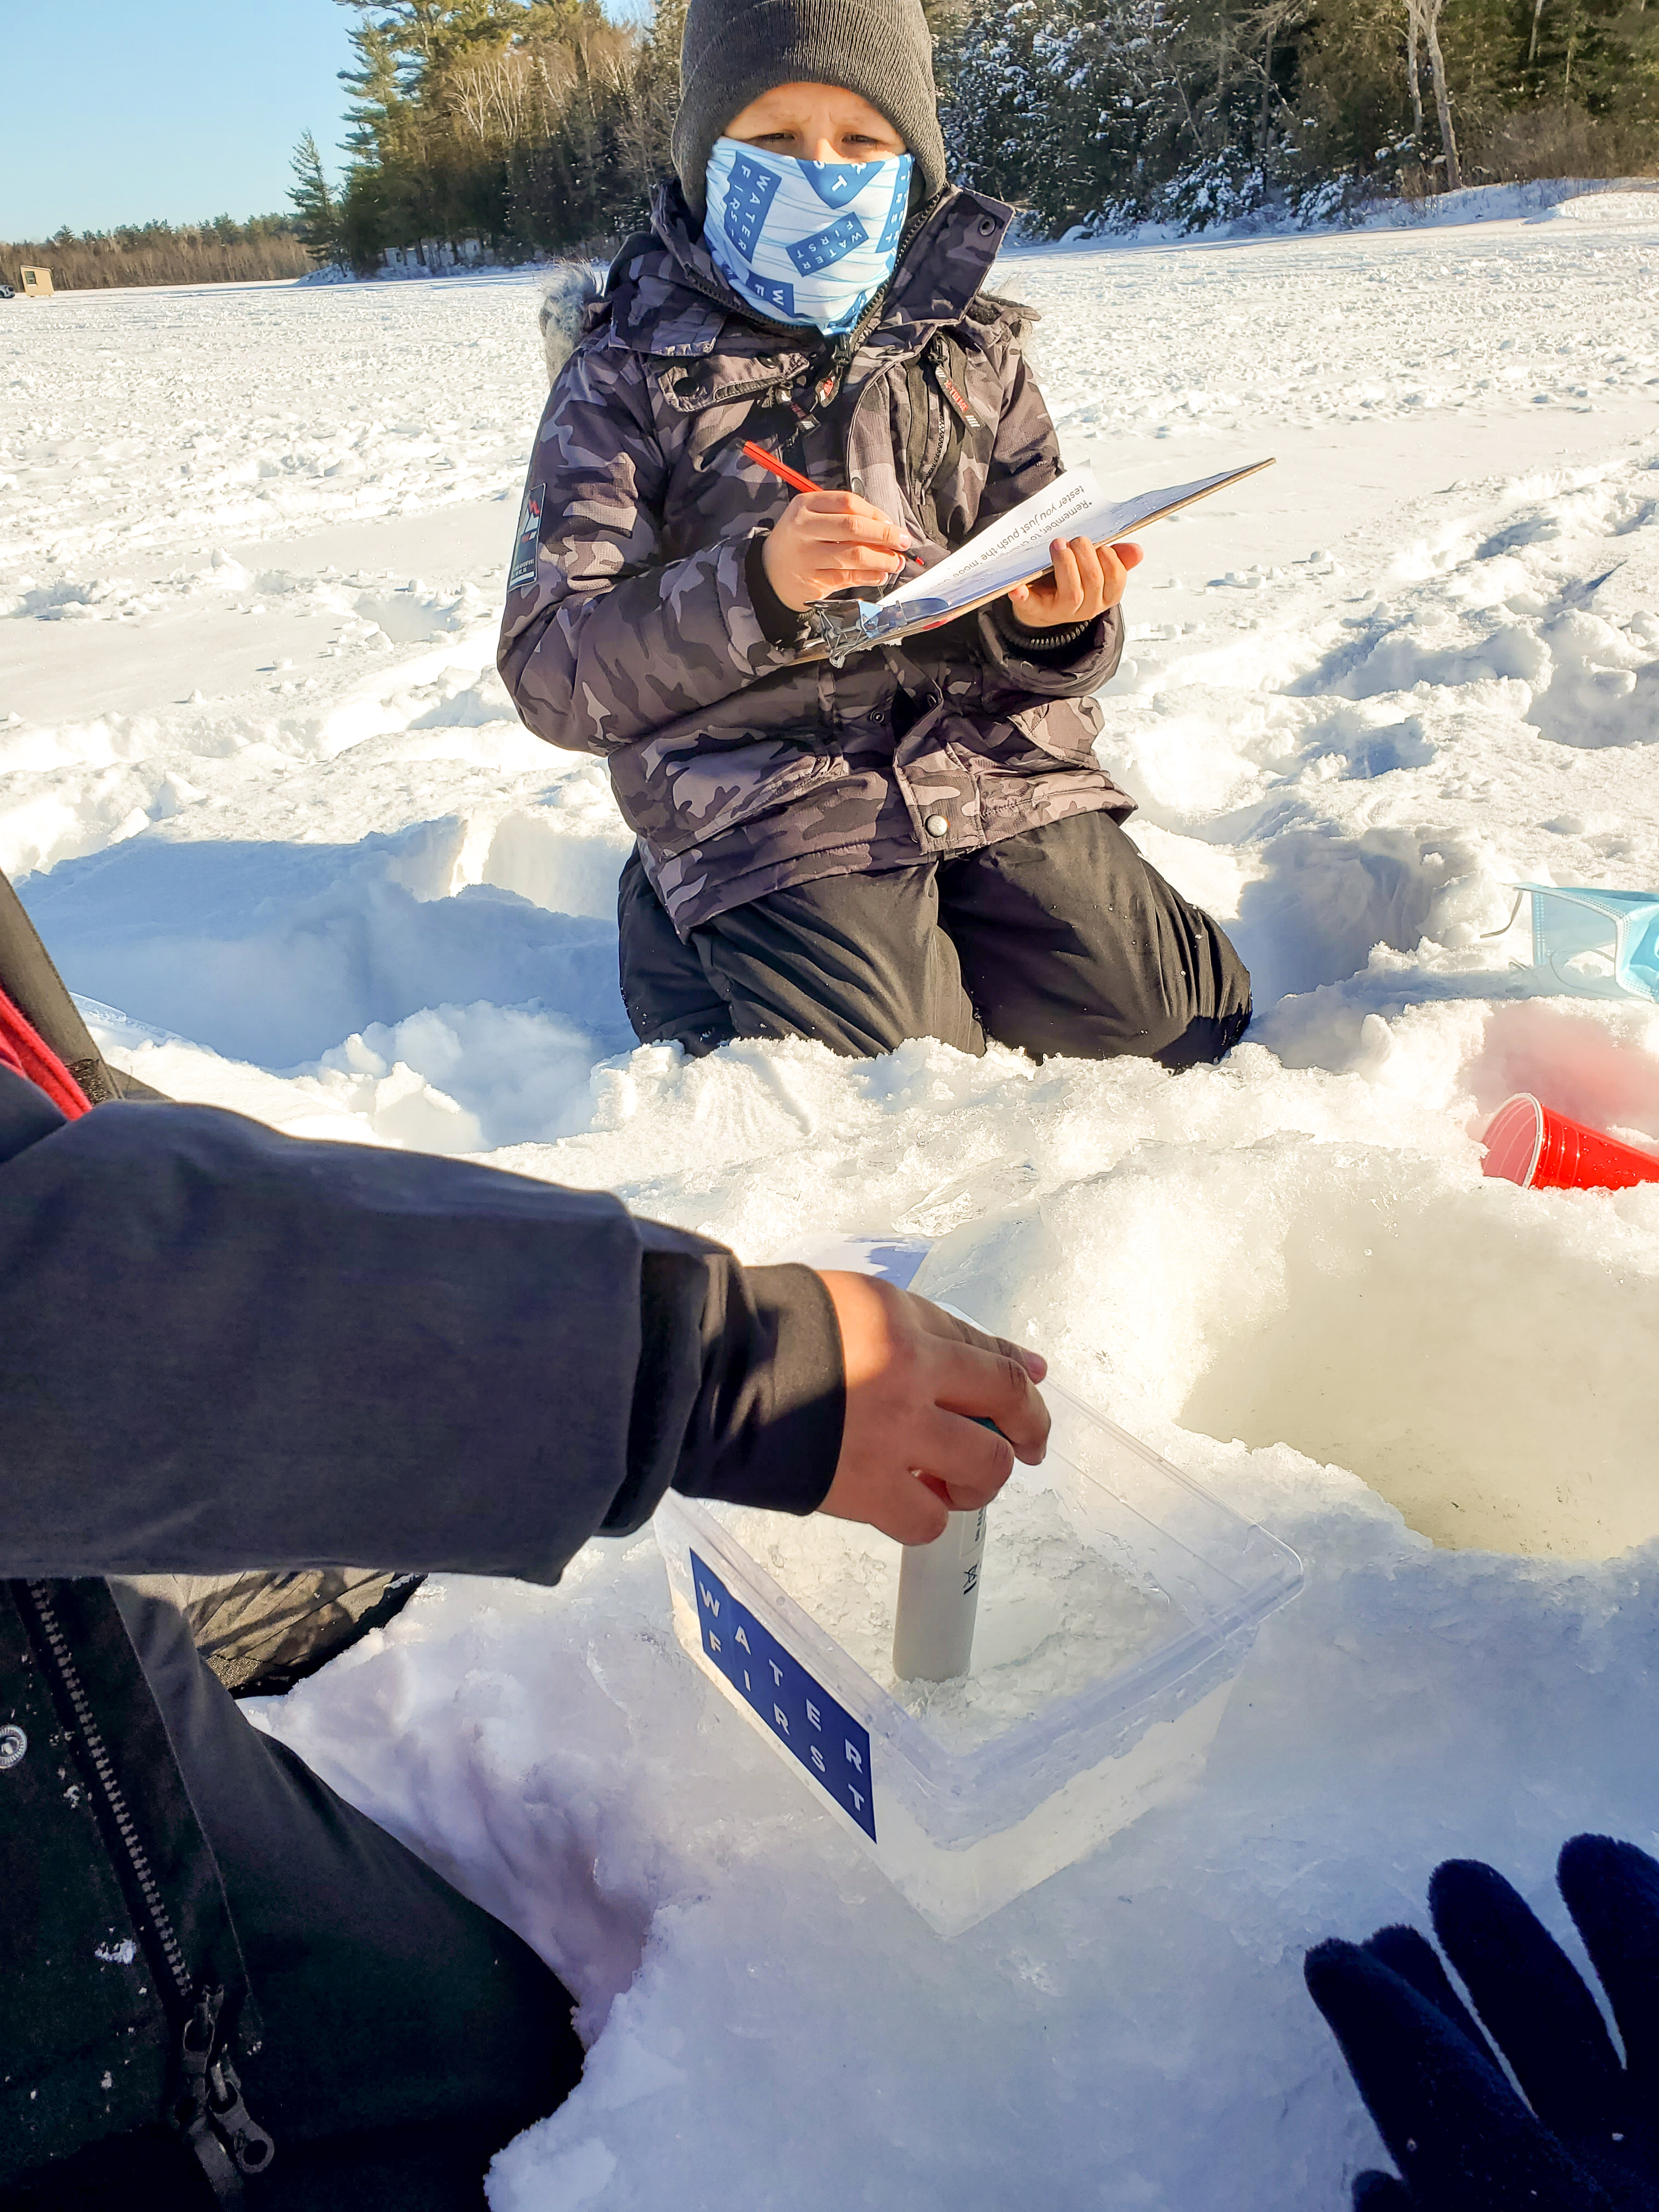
(807, 241)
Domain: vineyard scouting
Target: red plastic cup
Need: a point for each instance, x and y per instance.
(1531, 1143)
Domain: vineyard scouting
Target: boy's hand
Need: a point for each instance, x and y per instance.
(826, 540)
(1087, 580)
(911, 1448)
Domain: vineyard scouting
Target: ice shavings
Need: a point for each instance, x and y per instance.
(465, 1079)
(1056, 1613)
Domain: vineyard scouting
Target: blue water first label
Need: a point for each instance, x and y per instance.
(800, 1711)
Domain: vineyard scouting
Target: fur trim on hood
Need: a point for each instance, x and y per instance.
(573, 289)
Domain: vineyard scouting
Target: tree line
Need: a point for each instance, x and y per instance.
(532, 125)
(528, 124)
(1195, 111)
(217, 253)
(539, 124)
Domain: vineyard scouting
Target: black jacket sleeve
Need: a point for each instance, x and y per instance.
(222, 1348)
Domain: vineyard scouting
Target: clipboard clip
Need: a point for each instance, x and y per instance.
(840, 627)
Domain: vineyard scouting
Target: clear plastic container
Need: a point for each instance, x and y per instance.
(1109, 1638)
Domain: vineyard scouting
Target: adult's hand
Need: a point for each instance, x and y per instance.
(825, 541)
(1585, 2139)
(1087, 580)
(918, 1384)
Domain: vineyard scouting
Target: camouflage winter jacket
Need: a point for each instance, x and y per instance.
(639, 626)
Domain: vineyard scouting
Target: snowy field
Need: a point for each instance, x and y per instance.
(273, 813)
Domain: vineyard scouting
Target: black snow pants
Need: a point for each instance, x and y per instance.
(1060, 940)
(408, 2034)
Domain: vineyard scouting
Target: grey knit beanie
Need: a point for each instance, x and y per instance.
(735, 49)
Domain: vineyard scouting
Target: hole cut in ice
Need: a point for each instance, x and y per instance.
(1486, 1375)
(1481, 1356)
(1056, 1613)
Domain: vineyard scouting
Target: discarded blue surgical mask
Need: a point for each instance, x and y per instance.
(807, 241)
(1604, 943)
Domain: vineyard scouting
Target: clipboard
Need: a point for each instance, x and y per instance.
(1010, 551)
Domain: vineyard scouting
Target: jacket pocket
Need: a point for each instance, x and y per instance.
(1065, 729)
(683, 799)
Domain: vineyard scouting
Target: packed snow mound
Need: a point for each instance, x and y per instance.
(1334, 207)
(1610, 205)
(274, 813)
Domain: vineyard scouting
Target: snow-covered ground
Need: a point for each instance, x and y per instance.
(273, 811)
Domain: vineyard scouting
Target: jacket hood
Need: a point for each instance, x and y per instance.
(674, 302)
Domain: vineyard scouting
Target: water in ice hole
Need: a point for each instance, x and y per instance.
(1055, 1612)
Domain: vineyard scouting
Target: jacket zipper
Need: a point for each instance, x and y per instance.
(211, 2117)
(938, 356)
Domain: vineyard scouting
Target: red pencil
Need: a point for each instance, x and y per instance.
(758, 454)
(754, 452)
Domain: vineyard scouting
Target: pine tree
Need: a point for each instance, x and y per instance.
(313, 203)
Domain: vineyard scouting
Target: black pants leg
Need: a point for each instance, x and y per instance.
(408, 2033)
(1072, 943)
(1062, 939)
(858, 962)
(668, 997)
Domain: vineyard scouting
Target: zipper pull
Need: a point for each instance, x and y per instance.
(189, 2115)
(250, 2146)
(947, 384)
(224, 2137)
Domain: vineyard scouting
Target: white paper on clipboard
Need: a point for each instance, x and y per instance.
(1013, 550)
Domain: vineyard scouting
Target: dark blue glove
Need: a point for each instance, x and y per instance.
(1586, 2139)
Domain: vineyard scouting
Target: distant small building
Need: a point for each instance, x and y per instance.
(37, 283)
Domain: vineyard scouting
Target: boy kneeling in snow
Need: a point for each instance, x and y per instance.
(918, 842)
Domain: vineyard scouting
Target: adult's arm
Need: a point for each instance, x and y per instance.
(222, 1348)
(607, 637)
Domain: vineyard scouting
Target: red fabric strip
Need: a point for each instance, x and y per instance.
(27, 1055)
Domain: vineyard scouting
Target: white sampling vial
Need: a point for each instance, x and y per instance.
(937, 1599)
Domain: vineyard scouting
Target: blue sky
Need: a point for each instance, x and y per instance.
(117, 110)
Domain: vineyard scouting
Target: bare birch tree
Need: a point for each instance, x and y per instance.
(1413, 79)
(1423, 21)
